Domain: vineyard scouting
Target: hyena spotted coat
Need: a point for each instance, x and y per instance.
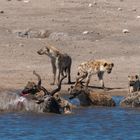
(61, 62)
(133, 83)
(93, 67)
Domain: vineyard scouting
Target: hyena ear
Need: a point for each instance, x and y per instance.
(137, 77)
(128, 77)
(112, 64)
(71, 87)
(29, 82)
(78, 73)
(105, 64)
(47, 49)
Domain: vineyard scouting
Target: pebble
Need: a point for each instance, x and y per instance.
(1, 12)
(125, 31)
(95, 3)
(134, 9)
(90, 5)
(119, 9)
(21, 45)
(85, 32)
(138, 17)
(26, 1)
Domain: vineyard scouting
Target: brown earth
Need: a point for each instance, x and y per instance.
(104, 20)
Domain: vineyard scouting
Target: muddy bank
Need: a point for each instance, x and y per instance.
(80, 28)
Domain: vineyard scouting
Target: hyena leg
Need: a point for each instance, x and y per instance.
(69, 76)
(58, 79)
(100, 77)
(54, 71)
(131, 89)
(60, 73)
(88, 79)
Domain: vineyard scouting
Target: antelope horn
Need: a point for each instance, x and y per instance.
(59, 86)
(39, 78)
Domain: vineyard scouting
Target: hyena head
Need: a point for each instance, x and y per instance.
(50, 51)
(108, 66)
(44, 50)
(75, 90)
(31, 87)
(64, 104)
(134, 83)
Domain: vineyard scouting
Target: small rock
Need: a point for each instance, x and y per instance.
(85, 32)
(26, 1)
(125, 31)
(1, 12)
(95, 3)
(90, 5)
(119, 9)
(21, 45)
(138, 17)
(134, 9)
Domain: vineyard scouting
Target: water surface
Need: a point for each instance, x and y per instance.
(96, 123)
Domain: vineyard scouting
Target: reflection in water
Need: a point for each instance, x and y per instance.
(85, 123)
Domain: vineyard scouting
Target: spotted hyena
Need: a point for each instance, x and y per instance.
(88, 97)
(134, 83)
(61, 62)
(93, 67)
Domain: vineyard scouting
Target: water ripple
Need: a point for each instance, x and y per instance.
(86, 123)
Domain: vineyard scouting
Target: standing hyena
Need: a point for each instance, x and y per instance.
(93, 67)
(60, 62)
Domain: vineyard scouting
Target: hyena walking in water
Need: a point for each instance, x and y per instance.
(60, 62)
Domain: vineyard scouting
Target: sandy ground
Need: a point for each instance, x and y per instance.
(103, 19)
